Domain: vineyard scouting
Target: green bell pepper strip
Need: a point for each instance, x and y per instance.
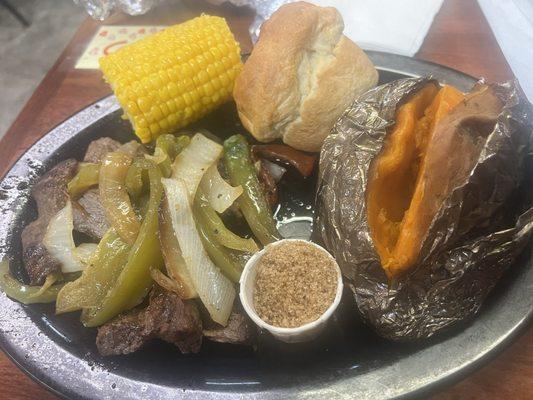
(85, 178)
(172, 145)
(167, 147)
(24, 293)
(51, 278)
(252, 202)
(162, 160)
(216, 227)
(114, 197)
(217, 252)
(102, 271)
(135, 181)
(135, 281)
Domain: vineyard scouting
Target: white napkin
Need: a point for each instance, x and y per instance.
(394, 26)
(512, 24)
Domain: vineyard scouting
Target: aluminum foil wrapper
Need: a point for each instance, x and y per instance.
(480, 229)
(101, 9)
(263, 10)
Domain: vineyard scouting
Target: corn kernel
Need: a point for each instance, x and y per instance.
(217, 84)
(224, 79)
(154, 115)
(163, 124)
(141, 122)
(187, 98)
(173, 119)
(164, 108)
(203, 76)
(154, 128)
(208, 89)
(144, 104)
(163, 93)
(132, 108)
(180, 103)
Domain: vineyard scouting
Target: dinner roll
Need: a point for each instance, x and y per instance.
(302, 74)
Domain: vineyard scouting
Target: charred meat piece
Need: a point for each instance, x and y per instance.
(270, 187)
(240, 330)
(304, 163)
(50, 195)
(123, 335)
(167, 317)
(174, 320)
(99, 148)
(89, 215)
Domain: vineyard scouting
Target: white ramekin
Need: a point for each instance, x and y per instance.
(290, 335)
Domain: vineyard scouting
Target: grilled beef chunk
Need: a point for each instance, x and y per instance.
(240, 330)
(89, 215)
(270, 187)
(99, 148)
(50, 195)
(167, 317)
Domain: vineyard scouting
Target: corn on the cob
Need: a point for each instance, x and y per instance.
(174, 77)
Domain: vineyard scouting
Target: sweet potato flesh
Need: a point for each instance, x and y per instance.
(395, 187)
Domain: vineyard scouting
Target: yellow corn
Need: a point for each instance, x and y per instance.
(174, 77)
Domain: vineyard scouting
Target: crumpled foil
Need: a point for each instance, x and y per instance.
(481, 228)
(101, 9)
(263, 10)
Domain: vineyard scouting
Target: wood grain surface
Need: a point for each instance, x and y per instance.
(459, 38)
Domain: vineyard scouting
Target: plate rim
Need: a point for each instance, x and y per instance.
(108, 105)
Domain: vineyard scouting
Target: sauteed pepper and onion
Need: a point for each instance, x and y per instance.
(165, 211)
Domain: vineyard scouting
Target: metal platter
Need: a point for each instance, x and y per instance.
(348, 360)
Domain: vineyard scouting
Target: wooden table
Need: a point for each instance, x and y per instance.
(459, 37)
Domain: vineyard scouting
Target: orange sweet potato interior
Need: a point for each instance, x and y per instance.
(395, 187)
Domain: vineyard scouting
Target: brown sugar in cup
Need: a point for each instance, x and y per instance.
(291, 288)
(295, 284)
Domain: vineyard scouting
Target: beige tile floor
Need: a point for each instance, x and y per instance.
(27, 53)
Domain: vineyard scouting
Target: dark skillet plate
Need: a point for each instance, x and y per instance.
(348, 360)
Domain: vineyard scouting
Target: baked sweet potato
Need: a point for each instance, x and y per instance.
(426, 155)
(449, 207)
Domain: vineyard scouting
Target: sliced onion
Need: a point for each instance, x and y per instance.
(219, 193)
(191, 164)
(85, 251)
(174, 262)
(215, 290)
(114, 196)
(165, 282)
(59, 242)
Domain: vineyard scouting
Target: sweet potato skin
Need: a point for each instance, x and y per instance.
(450, 156)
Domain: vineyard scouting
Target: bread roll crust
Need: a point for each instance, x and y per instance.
(302, 74)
